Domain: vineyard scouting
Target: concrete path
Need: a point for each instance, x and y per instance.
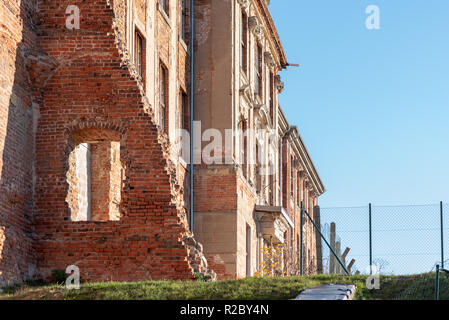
(328, 292)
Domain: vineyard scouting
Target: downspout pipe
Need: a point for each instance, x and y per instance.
(286, 133)
(192, 109)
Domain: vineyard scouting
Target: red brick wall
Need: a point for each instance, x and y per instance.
(101, 168)
(91, 89)
(81, 81)
(216, 183)
(215, 207)
(17, 260)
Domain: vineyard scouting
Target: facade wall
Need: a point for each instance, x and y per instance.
(216, 216)
(246, 223)
(17, 114)
(85, 83)
(119, 210)
(228, 97)
(149, 233)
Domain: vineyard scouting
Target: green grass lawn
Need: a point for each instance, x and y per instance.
(392, 287)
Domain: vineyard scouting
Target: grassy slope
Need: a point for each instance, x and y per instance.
(403, 287)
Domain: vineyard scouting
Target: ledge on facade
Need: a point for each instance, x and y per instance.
(273, 223)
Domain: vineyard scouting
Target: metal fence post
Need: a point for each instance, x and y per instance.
(370, 241)
(319, 245)
(437, 284)
(327, 243)
(332, 269)
(442, 235)
(301, 239)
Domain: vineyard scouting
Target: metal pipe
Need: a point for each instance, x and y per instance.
(370, 241)
(442, 235)
(301, 263)
(192, 109)
(437, 284)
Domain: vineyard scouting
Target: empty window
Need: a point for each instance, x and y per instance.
(95, 176)
(163, 97)
(272, 110)
(183, 123)
(279, 183)
(259, 82)
(272, 186)
(165, 6)
(139, 53)
(184, 114)
(292, 176)
(129, 26)
(183, 30)
(244, 42)
(244, 146)
(298, 188)
(258, 169)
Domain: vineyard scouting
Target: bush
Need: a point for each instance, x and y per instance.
(200, 277)
(59, 276)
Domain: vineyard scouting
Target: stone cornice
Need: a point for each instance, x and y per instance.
(271, 28)
(303, 155)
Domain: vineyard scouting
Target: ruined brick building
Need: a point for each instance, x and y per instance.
(92, 171)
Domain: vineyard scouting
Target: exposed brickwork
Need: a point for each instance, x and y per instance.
(89, 173)
(238, 57)
(150, 232)
(17, 258)
(83, 82)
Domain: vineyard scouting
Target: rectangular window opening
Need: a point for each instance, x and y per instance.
(139, 55)
(244, 42)
(163, 97)
(95, 178)
(184, 19)
(259, 71)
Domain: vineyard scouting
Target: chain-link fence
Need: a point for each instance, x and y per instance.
(395, 240)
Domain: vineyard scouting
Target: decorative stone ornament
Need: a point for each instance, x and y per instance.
(247, 93)
(255, 27)
(309, 186)
(279, 84)
(243, 3)
(269, 59)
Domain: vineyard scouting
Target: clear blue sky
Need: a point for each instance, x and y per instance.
(371, 105)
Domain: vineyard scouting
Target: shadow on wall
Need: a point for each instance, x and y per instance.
(17, 260)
